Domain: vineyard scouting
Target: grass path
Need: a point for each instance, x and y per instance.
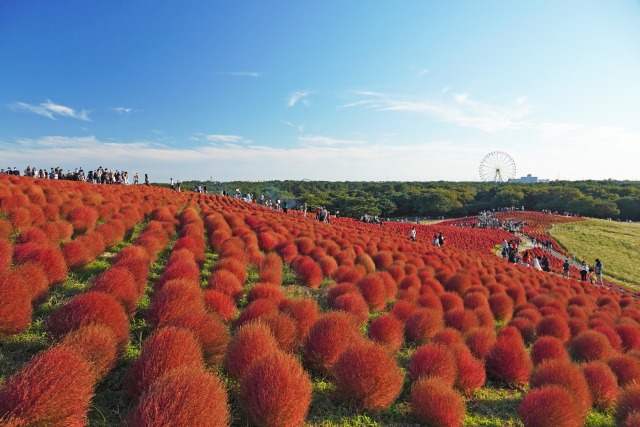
(616, 244)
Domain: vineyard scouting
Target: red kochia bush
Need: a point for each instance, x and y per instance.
(550, 406)
(35, 279)
(403, 309)
(271, 269)
(388, 331)
(284, 329)
(471, 373)
(308, 270)
(548, 348)
(267, 291)
(186, 396)
(590, 345)
(220, 303)
(367, 376)
(434, 403)
(52, 389)
(97, 345)
(83, 218)
(256, 310)
(167, 349)
(15, 304)
(480, 341)
(555, 326)
(354, 304)
(176, 299)
(328, 338)
(433, 360)
(630, 336)
(6, 253)
(373, 290)
(461, 319)
(626, 368)
(225, 281)
(507, 360)
(50, 259)
(423, 325)
(276, 391)
(91, 308)
(121, 284)
(252, 341)
(603, 384)
(628, 402)
(565, 374)
(304, 311)
(210, 331)
(501, 306)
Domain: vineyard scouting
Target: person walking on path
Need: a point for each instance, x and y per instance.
(598, 271)
(565, 268)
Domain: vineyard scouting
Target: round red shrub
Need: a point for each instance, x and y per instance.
(403, 309)
(434, 360)
(276, 391)
(630, 336)
(120, 284)
(565, 374)
(82, 218)
(284, 329)
(186, 271)
(423, 324)
(210, 331)
(168, 348)
(226, 282)
(373, 290)
(186, 396)
(471, 374)
(547, 348)
(525, 327)
(450, 301)
(235, 264)
(255, 310)
(251, 341)
(354, 304)
(473, 300)
(612, 336)
(367, 376)
(501, 306)
(6, 253)
(53, 389)
(221, 304)
(97, 345)
(461, 319)
(555, 326)
(550, 406)
(51, 260)
(340, 289)
(328, 338)
(15, 304)
(632, 420)
(480, 341)
(434, 403)
(449, 337)
(304, 311)
(266, 291)
(507, 361)
(590, 345)
(87, 309)
(603, 384)
(34, 278)
(388, 331)
(626, 368)
(176, 299)
(383, 259)
(628, 402)
(309, 271)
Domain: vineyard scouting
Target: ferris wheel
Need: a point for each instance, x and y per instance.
(497, 166)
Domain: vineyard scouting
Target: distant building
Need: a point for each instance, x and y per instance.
(528, 179)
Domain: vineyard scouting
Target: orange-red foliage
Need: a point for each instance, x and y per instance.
(176, 299)
(434, 403)
(210, 331)
(52, 389)
(121, 284)
(186, 396)
(626, 368)
(354, 304)
(220, 303)
(276, 391)
(628, 402)
(433, 360)
(304, 311)
(252, 341)
(51, 260)
(97, 345)
(603, 384)
(88, 309)
(168, 348)
(565, 374)
(367, 376)
(550, 406)
(15, 304)
(226, 282)
(547, 348)
(507, 360)
(388, 331)
(423, 324)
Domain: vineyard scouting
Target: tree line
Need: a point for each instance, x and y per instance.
(618, 200)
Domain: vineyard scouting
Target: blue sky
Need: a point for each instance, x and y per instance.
(332, 90)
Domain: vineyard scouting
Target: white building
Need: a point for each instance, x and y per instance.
(528, 179)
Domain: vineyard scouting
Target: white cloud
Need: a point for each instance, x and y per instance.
(51, 110)
(321, 140)
(224, 138)
(123, 110)
(462, 110)
(298, 97)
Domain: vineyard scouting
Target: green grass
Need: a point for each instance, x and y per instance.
(616, 244)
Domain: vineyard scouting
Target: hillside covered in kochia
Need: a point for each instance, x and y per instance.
(599, 199)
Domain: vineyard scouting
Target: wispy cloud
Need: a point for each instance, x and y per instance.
(299, 128)
(460, 109)
(123, 110)
(245, 74)
(298, 97)
(51, 110)
(224, 138)
(322, 140)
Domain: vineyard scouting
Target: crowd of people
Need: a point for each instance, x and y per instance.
(98, 176)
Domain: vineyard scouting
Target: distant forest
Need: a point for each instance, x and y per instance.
(618, 200)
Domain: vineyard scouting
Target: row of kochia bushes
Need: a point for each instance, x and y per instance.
(576, 347)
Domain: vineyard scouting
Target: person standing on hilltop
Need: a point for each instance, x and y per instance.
(565, 268)
(597, 269)
(584, 270)
(412, 234)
